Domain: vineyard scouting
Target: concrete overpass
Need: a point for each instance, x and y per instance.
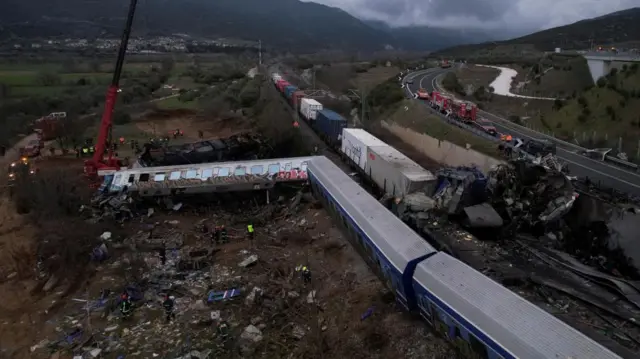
(601, 62)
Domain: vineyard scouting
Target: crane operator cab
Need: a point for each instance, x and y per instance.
(537, 147)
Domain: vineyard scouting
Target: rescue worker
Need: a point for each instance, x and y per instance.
(217, 234)
(223, 234)
(77, 151)
(85, 151)
(162, 252)
(200, 134)
(168, 305)
(304, 273)
(223, 330)
(250, 232)
(126, 307)
(295, 124)
(121, 140)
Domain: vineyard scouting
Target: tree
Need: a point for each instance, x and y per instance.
(5, 91)
(48, 78)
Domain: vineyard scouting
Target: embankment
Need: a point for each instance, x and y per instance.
(441, 151)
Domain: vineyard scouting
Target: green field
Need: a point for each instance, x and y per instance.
(174, 103)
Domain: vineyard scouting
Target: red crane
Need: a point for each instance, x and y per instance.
(98, 165)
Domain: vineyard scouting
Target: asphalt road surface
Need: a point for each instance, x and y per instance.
(597, 171)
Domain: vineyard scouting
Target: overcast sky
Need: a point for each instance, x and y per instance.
(488, 14)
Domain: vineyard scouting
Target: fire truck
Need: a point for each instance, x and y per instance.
(465, 111)
(440, 102)
(46, 126)
(423, 94)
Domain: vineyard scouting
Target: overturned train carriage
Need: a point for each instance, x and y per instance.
(480, 317)
(208, 177)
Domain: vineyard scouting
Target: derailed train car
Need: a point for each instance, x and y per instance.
(482, 318)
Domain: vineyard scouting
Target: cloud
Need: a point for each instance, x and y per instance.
(482, 14)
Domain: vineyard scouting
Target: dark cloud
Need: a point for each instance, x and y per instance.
(496, 14)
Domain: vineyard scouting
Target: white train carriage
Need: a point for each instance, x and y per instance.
(486, 320)
(208, 177)
(388, 245)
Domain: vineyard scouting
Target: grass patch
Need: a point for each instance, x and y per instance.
(602, 115)
(374, 76)
(174, 103)
(420, 119)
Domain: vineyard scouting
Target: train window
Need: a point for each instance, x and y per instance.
(223, 171)
(274, 168)
(304, 166)
(256, 170)
(240, 171)
(287, 167)
(159, 177)
(208, 173)
(144, 177)
(131, 177)
(478, 347)
(175, 175)
(191, 174)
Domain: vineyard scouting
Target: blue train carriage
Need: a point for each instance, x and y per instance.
(390, 248)
(329, 125)
(486, 320)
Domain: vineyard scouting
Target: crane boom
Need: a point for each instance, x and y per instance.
(97, 162)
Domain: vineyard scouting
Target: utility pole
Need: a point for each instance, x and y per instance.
(260, 52)
(362, 96)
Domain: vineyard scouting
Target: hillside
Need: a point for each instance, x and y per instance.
(285, 24)
(621, 28)
(603, 114)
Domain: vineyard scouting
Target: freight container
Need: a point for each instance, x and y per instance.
(355, 142)
(397, 174)
(330, 124)
(281, 85)
(309, 108)
(289, 90)
(296, 98)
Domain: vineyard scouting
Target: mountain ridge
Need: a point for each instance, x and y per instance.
(620, 27)
(286, 24)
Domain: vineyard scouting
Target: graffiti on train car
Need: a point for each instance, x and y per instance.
(211, 174)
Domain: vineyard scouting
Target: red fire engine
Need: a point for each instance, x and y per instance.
(423, 94)
(464, 111)
(440, 102)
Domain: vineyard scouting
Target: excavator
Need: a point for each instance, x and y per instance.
(98, 165)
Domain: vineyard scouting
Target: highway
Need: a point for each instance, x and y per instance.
(597, 171)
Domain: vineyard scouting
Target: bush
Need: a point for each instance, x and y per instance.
(451, 83)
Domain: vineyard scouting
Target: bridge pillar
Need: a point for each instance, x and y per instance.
(600, 64)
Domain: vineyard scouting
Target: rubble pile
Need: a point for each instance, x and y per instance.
(236, 297)
(529, 193)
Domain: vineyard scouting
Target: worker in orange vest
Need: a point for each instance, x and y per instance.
(509, 138)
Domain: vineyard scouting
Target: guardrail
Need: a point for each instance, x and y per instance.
(514, 126)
